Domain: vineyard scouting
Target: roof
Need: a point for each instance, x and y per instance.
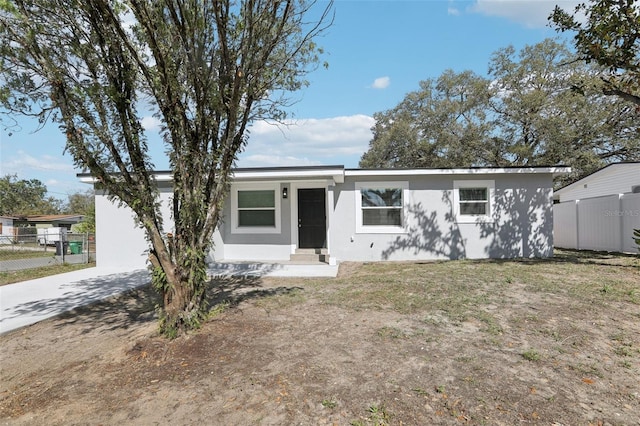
(52, 217)
(337, 173)
(596, 175)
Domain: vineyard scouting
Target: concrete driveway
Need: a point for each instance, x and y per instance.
(28, 302)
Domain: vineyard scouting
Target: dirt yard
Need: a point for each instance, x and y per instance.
(553, 342)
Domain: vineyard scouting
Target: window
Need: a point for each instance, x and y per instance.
(473, 200)
(255, 209)
(380, 207)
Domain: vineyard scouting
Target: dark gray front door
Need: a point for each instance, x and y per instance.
(312, 224)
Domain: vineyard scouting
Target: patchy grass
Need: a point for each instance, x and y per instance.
(465, 289)
(10, 277)
(17, 254)
(525, 341)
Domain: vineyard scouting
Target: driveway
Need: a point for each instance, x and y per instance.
(28, 302)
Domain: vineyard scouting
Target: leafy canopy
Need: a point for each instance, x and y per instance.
(207, 69)
(607, 32)
(527, 112)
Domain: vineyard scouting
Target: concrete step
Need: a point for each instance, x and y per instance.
(310, 255)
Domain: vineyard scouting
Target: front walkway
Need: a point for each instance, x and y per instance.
(28, 302)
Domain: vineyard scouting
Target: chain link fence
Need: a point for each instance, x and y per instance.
(29, 248)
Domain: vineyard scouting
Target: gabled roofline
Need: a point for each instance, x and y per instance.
(591, 175)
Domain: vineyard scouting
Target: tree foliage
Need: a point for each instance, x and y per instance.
(208, 68)
(82, 203)
(607, 32)
(21, 197)
(527, 112)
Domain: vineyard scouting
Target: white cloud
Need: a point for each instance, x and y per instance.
(150, 123)
(381, 83)
(22, 163)
(337, 140)
(453, 11)
(530, 13)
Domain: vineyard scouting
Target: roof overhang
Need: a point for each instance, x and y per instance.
(555, 171)
(335, 173)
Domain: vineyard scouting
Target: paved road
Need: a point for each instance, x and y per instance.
(38, 262)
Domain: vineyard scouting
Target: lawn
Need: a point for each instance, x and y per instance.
(25, 253)
(553, 342)
(11, 277)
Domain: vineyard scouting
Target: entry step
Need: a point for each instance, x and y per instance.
(310, 255)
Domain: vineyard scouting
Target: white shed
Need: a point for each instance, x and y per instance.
(616, 178)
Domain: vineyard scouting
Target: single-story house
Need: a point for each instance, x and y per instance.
(337, 214)
(48, 220)
(599, 211)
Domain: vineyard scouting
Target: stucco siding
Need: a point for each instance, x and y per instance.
(119, 241)
(521, 225)
(516, 219)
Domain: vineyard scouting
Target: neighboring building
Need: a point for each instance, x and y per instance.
(6, 229)
(49, 221)
(284, 213)
(600, 211)
(615, 178)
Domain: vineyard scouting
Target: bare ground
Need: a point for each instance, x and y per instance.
(552, 342)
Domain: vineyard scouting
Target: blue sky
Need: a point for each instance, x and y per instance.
(377, 51)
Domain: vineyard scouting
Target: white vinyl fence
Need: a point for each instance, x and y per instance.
(600, 223)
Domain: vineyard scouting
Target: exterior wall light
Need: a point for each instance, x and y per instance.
(285, 193)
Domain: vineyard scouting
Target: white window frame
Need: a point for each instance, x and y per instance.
(382, 229)
(474, 218)
(235, 228)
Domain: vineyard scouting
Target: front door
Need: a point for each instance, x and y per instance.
(312, 224)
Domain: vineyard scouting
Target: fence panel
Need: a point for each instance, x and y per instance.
(599, 223)
(565, 231)
(630, 216)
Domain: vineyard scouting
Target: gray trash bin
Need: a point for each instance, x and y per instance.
(61, 247)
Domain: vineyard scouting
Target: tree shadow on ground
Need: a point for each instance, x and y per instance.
(236, 289)
(139, 306)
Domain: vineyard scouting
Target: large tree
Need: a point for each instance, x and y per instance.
(607, 32)
(22, 197)
(533, 108)
(444, 124)
(209, 68)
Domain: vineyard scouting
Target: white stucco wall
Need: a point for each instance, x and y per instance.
(119, 242)
(521, 226)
